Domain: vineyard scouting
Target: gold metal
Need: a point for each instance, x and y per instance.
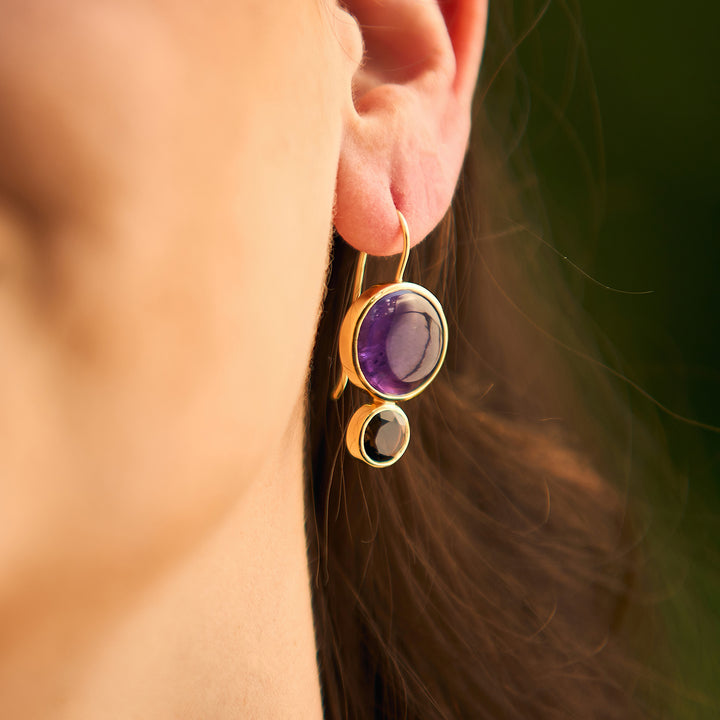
(359, 275)
(358, 425)
(361, 304)
(340, 385)
(350, 330)
(406, 248)
(357, 290)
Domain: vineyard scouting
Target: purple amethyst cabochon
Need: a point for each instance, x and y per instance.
(400, 342)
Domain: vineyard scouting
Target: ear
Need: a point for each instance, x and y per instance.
(406, 134)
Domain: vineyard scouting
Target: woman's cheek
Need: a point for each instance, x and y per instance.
(176, 232)
(85, 90)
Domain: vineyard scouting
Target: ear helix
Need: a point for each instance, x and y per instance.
(393, 341)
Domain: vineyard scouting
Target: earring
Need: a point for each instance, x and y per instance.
(393, 341)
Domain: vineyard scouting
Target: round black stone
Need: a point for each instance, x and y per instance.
(385, 435)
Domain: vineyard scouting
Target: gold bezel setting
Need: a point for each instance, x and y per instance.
(349, 354)
(350, 330)
(358, 427)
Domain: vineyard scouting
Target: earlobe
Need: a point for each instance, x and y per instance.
(405, 141)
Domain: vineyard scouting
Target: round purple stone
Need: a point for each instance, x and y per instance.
(400, 342)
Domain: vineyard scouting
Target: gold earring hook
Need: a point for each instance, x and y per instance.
(406, 248)
(358, 284)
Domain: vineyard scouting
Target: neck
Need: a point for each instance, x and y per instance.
(225, 631)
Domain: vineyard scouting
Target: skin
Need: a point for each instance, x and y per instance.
(169, 178)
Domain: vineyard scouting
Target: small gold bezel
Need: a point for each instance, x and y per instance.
(350, 329)
(358, 425)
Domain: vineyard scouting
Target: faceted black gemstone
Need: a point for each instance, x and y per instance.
(385, 435)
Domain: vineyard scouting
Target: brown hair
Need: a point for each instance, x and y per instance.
(487, 574)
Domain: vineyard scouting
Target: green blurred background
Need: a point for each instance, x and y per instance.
(624, 112)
